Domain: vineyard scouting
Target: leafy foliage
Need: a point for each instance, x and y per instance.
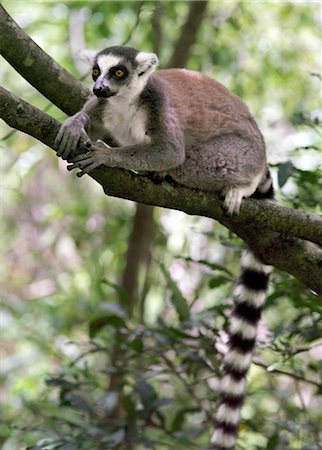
(78, 372)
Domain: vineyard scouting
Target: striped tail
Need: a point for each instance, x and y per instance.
(249, 299)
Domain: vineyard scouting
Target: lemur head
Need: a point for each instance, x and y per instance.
(121, 71)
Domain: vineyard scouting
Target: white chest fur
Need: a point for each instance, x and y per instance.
(127, 123)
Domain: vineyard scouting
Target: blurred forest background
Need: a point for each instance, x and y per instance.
(80, 368)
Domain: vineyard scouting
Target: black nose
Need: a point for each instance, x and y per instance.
(102, 91)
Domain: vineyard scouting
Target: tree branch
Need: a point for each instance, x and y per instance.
(138, 251)
(157, 16)
(22, 116)
(188, 34)
(42, 72)
(299, 258)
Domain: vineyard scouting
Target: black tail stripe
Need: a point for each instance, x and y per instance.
(249, 300)
(257, 281)
(247, 312)
(240, 343)
(236, 374)
(233, 401)
(227, 427)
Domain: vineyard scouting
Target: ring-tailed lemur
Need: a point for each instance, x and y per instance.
(186, 126)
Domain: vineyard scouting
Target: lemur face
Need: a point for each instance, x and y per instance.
(121, 71)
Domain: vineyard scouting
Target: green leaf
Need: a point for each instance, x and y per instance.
(178, 300)
(123, 296)
(62, 383)
(115, 439)
(137, 344)
(147, 394)
(71, 446)
(217, 281)
(274, 366)
(77, 401)
(129, 405)
(178, 421)
(285, 170)
(96, 325)
(176, 333)
(273, 442)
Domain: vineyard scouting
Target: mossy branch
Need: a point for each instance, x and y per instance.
(38, 68)
(279, 236)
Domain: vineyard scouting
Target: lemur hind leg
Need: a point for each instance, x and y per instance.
(229, 165)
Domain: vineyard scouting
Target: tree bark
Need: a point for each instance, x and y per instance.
(274, 231)
(188, 34)
(138, 251)
(42, 72)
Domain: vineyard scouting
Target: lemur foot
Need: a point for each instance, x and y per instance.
(232, 201)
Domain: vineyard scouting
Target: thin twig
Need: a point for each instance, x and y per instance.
(187, 386)
(137, 23)
(295, 376)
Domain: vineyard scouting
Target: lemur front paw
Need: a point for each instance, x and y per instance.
(69, 138)
(92, 159)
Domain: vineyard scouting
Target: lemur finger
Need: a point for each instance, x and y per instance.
(78, 165)
(70, 146)
(64, 144)
(72, 167)
(88, 169)
(58, 139)
(60, 136)
(82, 157)
(80, 162)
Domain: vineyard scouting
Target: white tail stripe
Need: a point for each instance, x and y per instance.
(238, 360)
(231, 386)
(248, 261)
(240, 326)
(229, 415)
(242, 294)
(235, 361)
(221, 439)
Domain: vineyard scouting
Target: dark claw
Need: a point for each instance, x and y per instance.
(84, 147)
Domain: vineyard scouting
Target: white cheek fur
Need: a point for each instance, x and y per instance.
(122, 118)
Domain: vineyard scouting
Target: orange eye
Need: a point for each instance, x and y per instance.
(95, 72)
(119, 73)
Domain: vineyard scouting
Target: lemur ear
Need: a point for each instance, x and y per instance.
(147, 62)
(88, 55)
